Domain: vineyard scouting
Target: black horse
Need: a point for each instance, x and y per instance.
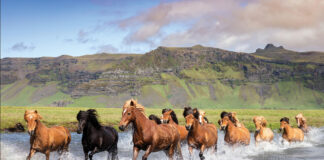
(96, 138)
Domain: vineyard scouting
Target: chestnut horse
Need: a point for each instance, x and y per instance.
(148, 135)
(301, 122)
(43, 139)
(168, 116)
(200, 136)
(290, 134)
(233, 134)
(262, 133)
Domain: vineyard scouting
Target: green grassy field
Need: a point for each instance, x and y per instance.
(66, 116)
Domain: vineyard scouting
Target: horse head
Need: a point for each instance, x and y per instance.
(283, 122)
(128, 113)
(202, 117)
(190, 119)
(224, 122)
(259, 122)
(166, 115)
(32, 117)
(300, 119)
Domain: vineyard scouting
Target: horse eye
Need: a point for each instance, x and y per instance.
(128, 113)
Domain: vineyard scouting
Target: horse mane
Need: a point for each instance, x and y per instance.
(133, 103)
(223, 114)
(155, 118)
(300, 115)
(91, 116)
(187, 111)
(174, 117)
(196, 113)
(165, 110)
(285, 119)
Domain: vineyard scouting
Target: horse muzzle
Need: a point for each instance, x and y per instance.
(122, 127)
(280, 129)
(188, 127)
(223, 128)
(79, 131)
(257, 131)
(165, 121)
(31, 132)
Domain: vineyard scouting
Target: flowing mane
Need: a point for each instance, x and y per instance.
(174, 117)
(155, 118)
(91, 116)
(133, 103)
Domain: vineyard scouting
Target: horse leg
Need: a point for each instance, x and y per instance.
(179, 153)
(113, 153)
(135, 152)
(202, 148)
(85, 151)
(171, 151)
(147, 152)
(93, 152)
(47, 153)
(31, 153)
(190, 151)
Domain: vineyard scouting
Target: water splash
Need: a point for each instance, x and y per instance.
(15, 146)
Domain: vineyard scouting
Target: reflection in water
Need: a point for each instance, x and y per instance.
(15, 146)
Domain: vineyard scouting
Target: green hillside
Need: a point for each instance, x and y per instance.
(199, 76)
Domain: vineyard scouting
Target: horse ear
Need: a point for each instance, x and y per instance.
(35, 111)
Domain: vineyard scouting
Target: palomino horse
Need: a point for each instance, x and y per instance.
(148, 135)
(200, 136)
(168, 116)
(233, 134)
(96, 138)
(290, 134)
(43, 139)
(262, 133)
(301, 122)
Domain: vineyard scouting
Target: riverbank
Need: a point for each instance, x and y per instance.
(66, 116)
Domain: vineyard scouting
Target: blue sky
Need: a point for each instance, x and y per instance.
(36, 28)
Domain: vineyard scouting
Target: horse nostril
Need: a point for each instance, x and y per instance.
(122, 128)
(257, 131)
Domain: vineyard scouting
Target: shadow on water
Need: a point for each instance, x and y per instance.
(15, 146)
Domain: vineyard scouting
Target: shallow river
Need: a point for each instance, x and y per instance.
(15, 146)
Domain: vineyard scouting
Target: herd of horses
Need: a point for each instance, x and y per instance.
(154, 133)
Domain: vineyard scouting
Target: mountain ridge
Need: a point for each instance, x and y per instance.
(168, 76)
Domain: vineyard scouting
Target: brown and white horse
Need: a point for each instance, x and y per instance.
(148, 135)
(290, 134)
(262, 133)
(43, 139)
(301, 122)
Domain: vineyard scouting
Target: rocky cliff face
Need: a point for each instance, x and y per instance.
(175, 75)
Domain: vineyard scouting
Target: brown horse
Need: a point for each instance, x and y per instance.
(290, 134)
(233, 134)
(170, 117)
(148, 135)
(262, 133)
(43, 139)
(200, 136)
(301, 122)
